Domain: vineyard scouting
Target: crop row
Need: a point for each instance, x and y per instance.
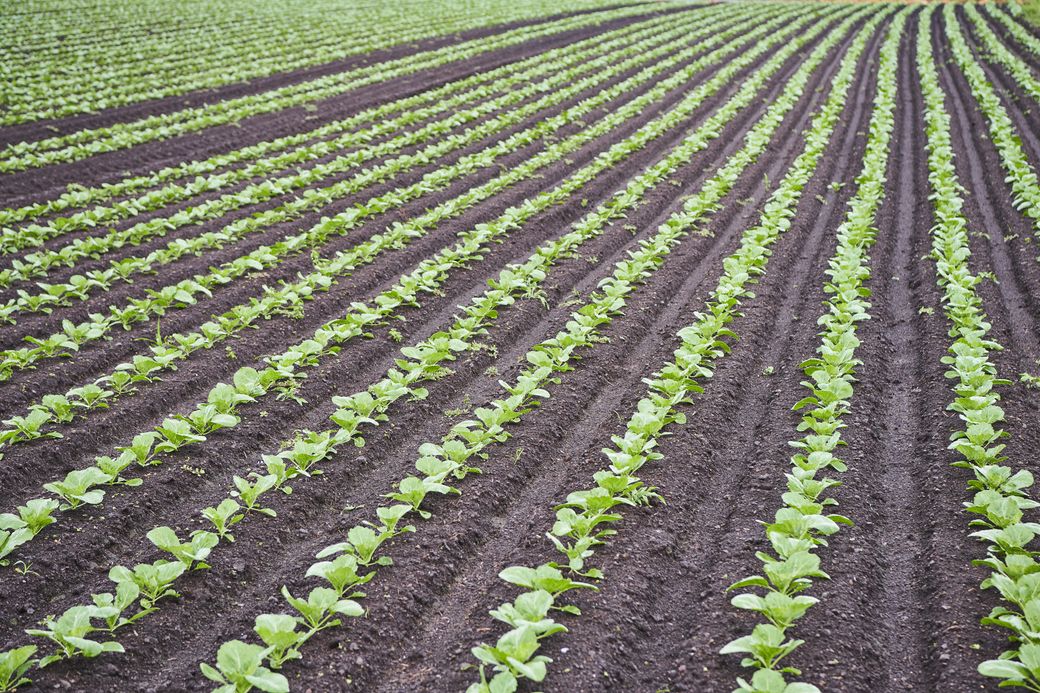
(999, 52)
(583, 521)
(800, 526)
(1025, 187)
(1001, 494)
(284, 370)
(1020, 33)
(162, 67)
(290, 151)
(84, 143)
(64, 92)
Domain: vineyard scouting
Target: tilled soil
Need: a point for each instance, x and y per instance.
(901, 610)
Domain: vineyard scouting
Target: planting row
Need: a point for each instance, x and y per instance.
(278, 156)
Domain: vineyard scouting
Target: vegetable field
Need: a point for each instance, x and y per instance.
(499, 346)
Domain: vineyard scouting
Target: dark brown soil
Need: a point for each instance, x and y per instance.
(381, 478)
(901, 610)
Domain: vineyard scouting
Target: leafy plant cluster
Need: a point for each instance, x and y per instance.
(1005, 14)
(291, 296)
(803, 522)
(289, 151)
(65, 93)
(88, 142)
(88, 630)
(1025, 187)
(219, 409)
(271, 48)
(582, 522)
(83, 486)
(79, 287)
(1001, 494)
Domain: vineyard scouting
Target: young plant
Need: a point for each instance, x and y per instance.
(13, 666)
(192, 553)
(240, 668)
(70, 630)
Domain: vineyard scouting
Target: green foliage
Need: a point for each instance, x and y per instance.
(70, 630)
(13, 666)
(1031, 11)
(240, 668)
(81, 144)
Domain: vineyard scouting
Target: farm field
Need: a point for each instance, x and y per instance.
(488, 346)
